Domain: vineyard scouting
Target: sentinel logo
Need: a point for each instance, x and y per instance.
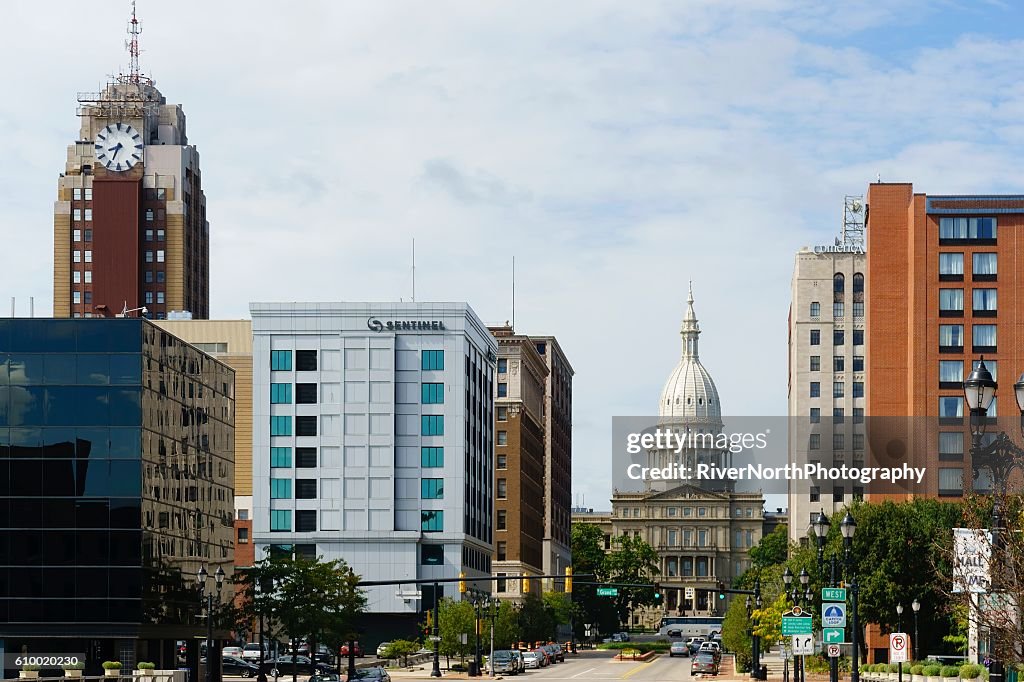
(377, 325)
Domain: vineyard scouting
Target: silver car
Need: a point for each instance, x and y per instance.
(504, 661)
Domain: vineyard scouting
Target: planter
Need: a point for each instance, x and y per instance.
(973, 679)
(147, 672)
(112, 672)
(72, 673)
(28, 674)
(917, 678)
(950, 679)
(933, 678)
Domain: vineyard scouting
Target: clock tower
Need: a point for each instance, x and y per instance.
(130, 229)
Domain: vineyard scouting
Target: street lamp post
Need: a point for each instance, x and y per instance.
(821, 527)
(849, 527)
(207, 596)
(756, 643)
(435, 671)
(915, 606)
(899, 628)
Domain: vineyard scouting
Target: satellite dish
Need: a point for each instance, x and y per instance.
(856, 206)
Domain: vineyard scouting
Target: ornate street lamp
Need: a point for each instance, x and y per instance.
(915, 606)
(207, 596)
(849, 527)
(899, 618)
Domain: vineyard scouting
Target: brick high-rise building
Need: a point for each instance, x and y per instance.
(943, 282)
(129, 228)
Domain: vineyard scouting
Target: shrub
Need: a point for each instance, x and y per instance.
(949, 671)
(917, 669)
(111, 665)
(932, 669)
(970, 671)
(29, 667)
(146, 665)
(892, 667)
(75, 666)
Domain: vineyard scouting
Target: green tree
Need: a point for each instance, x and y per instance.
(536, 622)
(768, 620)
(632, 560)
(560, 606)
(401, 648)
(506, 625)
(772, 549)
(588, 558)
(736, 633)
(455, 618)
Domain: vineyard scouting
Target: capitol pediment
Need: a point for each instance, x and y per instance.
(685, 492)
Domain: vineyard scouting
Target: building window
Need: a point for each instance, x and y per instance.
(858, 389)
(502, 489)
(160, 297)
(149, 256)
(815, 389)
(951, 302)
(951, 482)
(280, 426)
(280, 457)
(858, 441)
(838, 363)
(280, 394)
(243, 536)
(88, 256)
(432, 488)
(858, 337)
(838, 337)
(305, 521)
(838, 389)
(502, 521)
(502, 413)
(838, 415)
(305, 394)
(815, 337)
(502, 389)
(88, 276)
(431, 555)
(838, 284)
(432, 521)
(76, 193)
(88, 193)
(76, 277)
(815, 309)
(305, 426)
(305, 458)
(305, 489)
(984, 302)
(160, 235)
(502, 462)
(76, 235)
(431, 457)
(160, 256)
(815, 416)
(837, 493)
(502, 438)
(983, 338)
(984, 267)
(149, 297)
(77, 256)
(149, 235)
(951, 336)
(815, 494)
(951, 445)
(501, 553)
(432, 425)
(280, 488)
(76, 214)
(838, 441)
(814, 442)
(432, 360)
(281, 360)
(951, 373)
(838, 310)
(858, 309)
(149, 215)
(951, 407)
(280, 520)
(149, 276)
(951, 267)
(160, 276)
(305, 361)
(76, 297)
(858, 363)
(87, 297)
(88, 214)
(502, 366)
(967, 228)
(432, 394)
(815, 363)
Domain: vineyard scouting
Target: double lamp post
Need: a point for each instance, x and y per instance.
(207, 596)
(848, 526)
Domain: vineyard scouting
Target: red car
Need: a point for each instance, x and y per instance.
(356, 648)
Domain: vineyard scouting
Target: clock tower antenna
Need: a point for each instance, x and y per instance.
(132, 45)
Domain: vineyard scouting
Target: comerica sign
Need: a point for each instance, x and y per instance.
(839, 248)
(377, 325)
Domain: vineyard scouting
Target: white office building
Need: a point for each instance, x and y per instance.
(373, 440)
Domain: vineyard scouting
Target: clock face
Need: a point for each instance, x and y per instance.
(118, 147)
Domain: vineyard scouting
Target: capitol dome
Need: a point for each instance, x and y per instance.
(690, 395)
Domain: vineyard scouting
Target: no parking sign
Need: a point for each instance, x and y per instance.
(898, 647)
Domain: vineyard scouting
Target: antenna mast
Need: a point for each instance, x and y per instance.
(132, 44)
(513, 292)
(414, 269)
(853, 221)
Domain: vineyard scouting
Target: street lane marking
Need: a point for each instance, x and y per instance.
(582, 673)
(634, 671)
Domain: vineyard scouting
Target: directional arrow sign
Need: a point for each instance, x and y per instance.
(833, 615)
(607, 592)
(803, 645)
(833, 635)
(833, 594)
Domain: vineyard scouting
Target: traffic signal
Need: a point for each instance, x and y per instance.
(462, 583)
(526, 585)
(721, 590)
(657, 594)
(568, 578)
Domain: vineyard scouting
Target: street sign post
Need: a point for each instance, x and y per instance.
(796, 622)
(833, 650)
(607, 592)
(833, 615)
(898, 647)
(803, 645)
(833, 635)
(434, 638)
(833, 594)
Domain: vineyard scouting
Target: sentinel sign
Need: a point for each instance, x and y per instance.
(377, 325)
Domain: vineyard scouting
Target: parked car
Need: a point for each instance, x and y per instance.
(233, 665)
(355, 646)
(674, 632)
(679, 649)
(326, 677)
(504, 661)
(251, 652)
(520, 661)
(381, 648)
(532, 659)
(561, 652)
(704, 664)
(235, 651)
(374, 674)
(623, 636)
(303, 665)
(713, 648)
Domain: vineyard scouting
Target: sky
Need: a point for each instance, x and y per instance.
(616, 150)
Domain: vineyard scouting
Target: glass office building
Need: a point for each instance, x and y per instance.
(116, 473)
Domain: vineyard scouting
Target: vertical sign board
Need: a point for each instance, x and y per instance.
(803, 645)
(972, 549)
(898, 647)
(833, 650)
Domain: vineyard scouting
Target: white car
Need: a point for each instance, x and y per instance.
(381, 648)
(235, 651)
(251, 652)
(531, 659)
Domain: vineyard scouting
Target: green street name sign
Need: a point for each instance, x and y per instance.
(796, 625)
(833, 594)
(607, 592)
(833, 635)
